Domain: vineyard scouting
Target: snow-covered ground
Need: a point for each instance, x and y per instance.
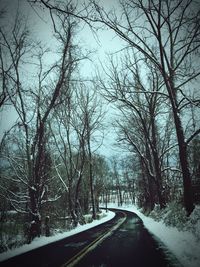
(41, 241)
(185, 245)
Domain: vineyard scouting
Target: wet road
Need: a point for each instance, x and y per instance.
(123, 242)
(130, 245)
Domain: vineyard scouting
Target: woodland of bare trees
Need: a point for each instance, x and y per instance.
(51, 170)
(47, 156)
(164, 35)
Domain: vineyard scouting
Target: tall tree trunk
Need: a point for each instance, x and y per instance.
(71, 206)
(82, 144)
(91, 181)
(148, 173)
(172, 92)
(119, 195)
(182, 146)
(187, 185)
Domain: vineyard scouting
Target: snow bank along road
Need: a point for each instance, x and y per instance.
(123, 241)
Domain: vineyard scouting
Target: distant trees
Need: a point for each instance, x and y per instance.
(117, 180)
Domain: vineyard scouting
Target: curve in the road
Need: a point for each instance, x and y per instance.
(131, 245)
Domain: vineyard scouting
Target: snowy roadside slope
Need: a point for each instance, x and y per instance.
(38, 242)
(184, 245)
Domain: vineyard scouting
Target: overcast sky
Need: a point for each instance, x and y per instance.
(41, 28)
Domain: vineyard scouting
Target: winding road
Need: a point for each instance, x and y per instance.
(123, 242)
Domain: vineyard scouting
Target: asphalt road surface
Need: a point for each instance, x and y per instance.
(123, 242)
